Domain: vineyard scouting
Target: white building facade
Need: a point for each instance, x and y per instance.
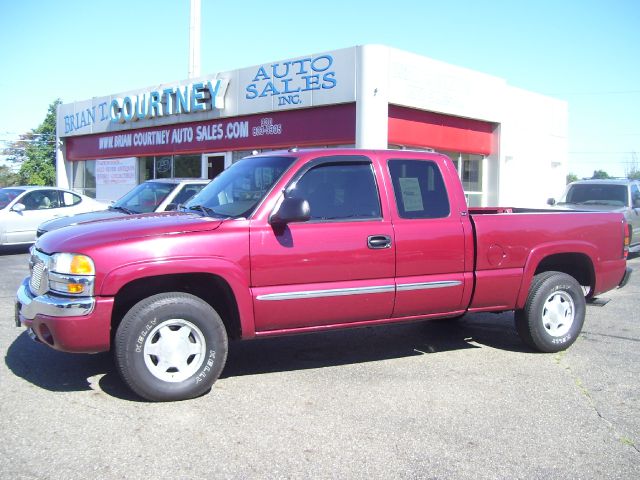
(510, 145)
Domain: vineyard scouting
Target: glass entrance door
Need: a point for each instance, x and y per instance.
(215, 165)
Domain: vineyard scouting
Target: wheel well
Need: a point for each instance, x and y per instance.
(210, 288)
(577, 265)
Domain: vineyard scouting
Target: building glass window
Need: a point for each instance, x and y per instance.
(187, 166)
(169, 166)
(470, 171)
(164, 167)
(145, 169)
(78, 175)
(240, 154)
(84, 177)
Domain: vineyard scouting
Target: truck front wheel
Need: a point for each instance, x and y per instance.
(553, 314)
(171, 346)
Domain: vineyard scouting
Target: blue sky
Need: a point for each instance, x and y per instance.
(585, 52)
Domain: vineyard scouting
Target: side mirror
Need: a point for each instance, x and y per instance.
(291, 210)
(636, 202)
(551, 201)
(18, 207)
(171, 207)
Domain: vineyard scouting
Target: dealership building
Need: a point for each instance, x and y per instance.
(509, 145)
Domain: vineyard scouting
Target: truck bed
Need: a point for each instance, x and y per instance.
(509, 241)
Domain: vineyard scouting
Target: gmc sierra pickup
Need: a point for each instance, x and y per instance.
(301, 241)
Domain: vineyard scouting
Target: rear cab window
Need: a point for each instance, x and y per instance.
(419, 189)
(597, 194)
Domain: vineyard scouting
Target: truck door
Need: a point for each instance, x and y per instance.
(339, 266)
(432, 248)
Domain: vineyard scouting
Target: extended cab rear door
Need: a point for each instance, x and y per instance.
(433, 237)
(336, 268)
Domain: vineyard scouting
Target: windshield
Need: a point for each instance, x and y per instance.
(145, 198)
(7, 195)
(237, 191)
(596, 194)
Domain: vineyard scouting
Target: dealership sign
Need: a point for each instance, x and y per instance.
(303, 82)
(310, 81)
(194, 97)
(333, 124)
(286, 80)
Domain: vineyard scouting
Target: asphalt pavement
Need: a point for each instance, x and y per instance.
(429, 400)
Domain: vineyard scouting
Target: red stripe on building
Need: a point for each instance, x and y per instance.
(417, 128)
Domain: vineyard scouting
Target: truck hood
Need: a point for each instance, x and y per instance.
(79, 218)
(77, 238)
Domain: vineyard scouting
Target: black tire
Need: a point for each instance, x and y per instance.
(553, 314)
(171, 346)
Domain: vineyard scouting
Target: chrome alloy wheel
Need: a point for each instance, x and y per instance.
(558, 313)
(174, 350)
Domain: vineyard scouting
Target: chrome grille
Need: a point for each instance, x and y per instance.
(39, 281)
(36, 276)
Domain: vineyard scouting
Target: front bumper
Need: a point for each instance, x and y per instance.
(66, 324)
(51, 305)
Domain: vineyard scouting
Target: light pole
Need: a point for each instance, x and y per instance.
(194, 39)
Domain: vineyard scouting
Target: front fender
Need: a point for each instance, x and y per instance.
(234, 275)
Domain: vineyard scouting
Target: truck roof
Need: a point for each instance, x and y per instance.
(608, 181)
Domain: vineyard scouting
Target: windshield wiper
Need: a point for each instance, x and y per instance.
(207, 211)
(123, 209)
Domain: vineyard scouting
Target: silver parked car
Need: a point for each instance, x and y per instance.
(151, 196)
(614, 195)
(22, 209)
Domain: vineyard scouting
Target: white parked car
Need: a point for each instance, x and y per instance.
(158, 195)
(22, 209)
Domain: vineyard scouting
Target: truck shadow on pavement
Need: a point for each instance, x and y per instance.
(371, 344)
(64, 372)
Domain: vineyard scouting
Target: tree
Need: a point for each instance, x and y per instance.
(36, 151)
(7, 177)
(600, 174)
(571, 177)
(633, 173)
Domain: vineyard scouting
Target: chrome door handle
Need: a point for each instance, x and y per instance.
(379, 241)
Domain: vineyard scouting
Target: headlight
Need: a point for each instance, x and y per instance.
(72, 274)
(72, 264)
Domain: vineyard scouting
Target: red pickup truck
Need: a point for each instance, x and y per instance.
(301, 241)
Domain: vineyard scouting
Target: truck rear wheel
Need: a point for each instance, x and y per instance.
(553, 314)
(171, 346)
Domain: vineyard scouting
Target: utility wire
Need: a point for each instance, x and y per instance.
(612, 92)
